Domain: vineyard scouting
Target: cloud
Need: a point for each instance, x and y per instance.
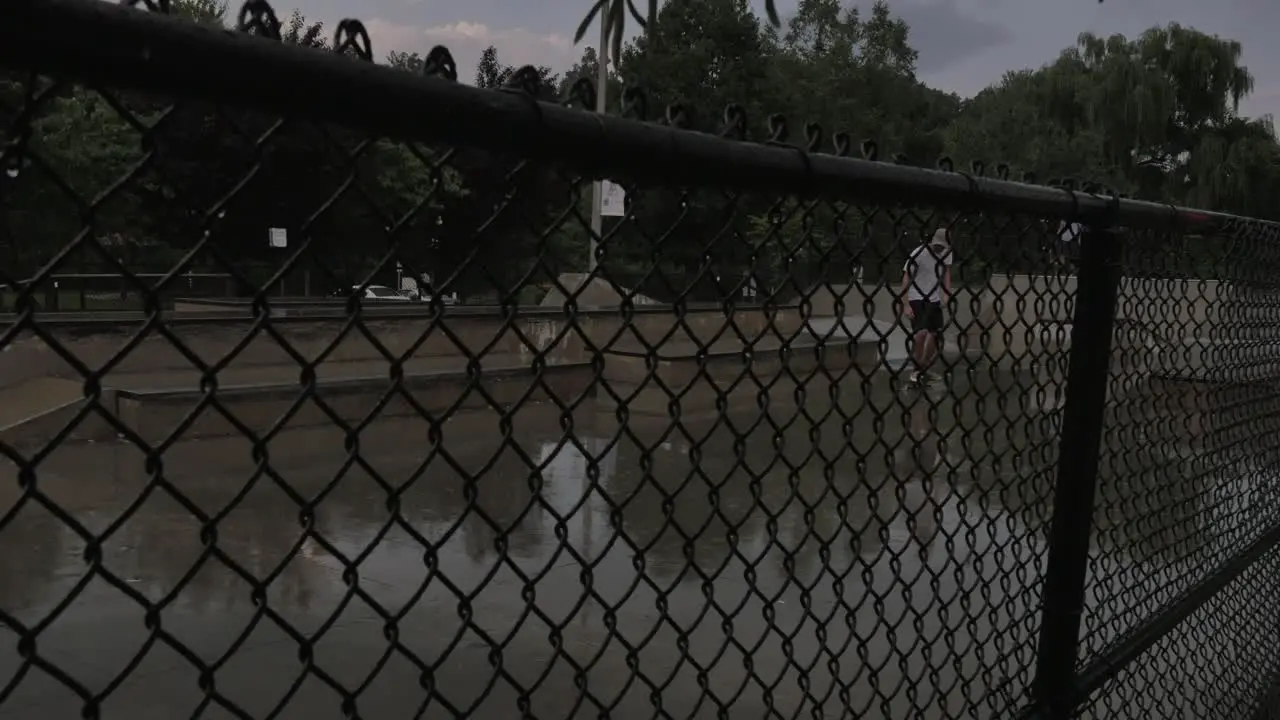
(944, 35)
(467, 40)
(1263, 101)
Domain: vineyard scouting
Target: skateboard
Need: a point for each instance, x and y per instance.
(925, 380)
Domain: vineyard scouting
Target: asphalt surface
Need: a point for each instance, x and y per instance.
(884, 565)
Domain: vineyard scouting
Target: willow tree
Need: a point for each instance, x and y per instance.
(1162, 103)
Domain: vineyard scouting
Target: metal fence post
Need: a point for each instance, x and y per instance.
(1078, 459)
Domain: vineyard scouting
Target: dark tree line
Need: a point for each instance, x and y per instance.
(1153, 116)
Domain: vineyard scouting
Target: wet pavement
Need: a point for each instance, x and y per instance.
(878, 555)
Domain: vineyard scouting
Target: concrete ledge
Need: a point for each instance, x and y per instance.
(423, 339)
(701, 383)
(724, 365)
(269, 398)
(156, 414)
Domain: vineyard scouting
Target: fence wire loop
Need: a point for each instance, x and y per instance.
(259, 18)
(352, 37)
(439, 63)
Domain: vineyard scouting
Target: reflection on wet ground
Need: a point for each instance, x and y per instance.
(812, 559)
(1186, 482)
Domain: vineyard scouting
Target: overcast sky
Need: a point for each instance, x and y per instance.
(964, 45)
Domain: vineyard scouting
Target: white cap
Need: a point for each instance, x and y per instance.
(941, 237)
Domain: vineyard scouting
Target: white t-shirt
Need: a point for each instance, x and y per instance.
(1070, 232)
(925, 269)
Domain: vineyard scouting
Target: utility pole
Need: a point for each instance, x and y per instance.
(602, 92)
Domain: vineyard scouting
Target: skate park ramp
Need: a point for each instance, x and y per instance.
(871, 313)
(589, 292)
(38, 406)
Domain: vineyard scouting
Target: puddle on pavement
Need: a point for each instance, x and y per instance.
(831, 540)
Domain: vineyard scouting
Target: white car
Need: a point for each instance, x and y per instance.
(414, 294)
(382, 293)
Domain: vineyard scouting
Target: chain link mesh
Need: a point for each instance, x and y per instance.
(406, 456)
(1220, 662)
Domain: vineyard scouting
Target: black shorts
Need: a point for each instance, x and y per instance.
(926, 316)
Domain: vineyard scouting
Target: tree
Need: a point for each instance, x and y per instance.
(213, 12)
(588, 68)
(232, 175)
(1155, 116)
(407, 61)
(702, 55)
(1155, 99)
(79, 147)
(298, 31)
(697, 57)
(494, 234)
(613, 13)
(489, 72)
(1015, 122)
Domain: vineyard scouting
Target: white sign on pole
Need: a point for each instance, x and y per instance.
(613, 199)
(278, 237)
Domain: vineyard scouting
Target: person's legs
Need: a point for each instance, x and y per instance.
(933, 332)
(935, 346)
(928, 346)
(919, 353)
(919, 337)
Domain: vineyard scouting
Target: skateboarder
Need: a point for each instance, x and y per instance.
(926, 286)
(1068, 245)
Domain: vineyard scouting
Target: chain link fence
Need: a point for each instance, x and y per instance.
(727, 460)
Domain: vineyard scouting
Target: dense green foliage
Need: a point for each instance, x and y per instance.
(1153, 116)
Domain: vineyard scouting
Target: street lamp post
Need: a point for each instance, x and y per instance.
(602, 92)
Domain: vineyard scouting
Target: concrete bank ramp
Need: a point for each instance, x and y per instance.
(39, 407)
(36, 397)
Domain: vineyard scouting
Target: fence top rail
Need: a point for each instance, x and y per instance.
(104, 43)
